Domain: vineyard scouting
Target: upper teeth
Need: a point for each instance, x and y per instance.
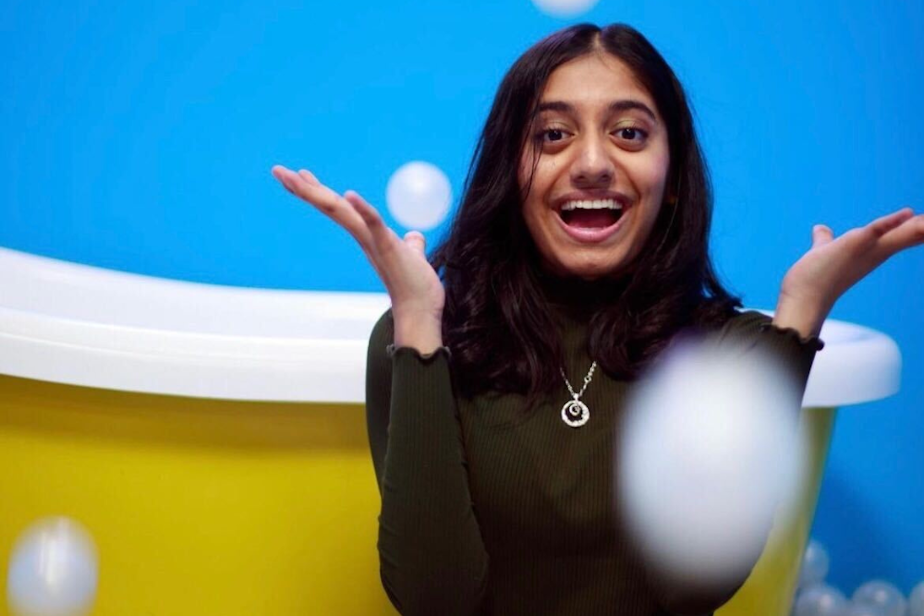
(596, 204)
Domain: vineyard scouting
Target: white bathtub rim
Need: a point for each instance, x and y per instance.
(68, 291)
(858, 364)
(330, 376)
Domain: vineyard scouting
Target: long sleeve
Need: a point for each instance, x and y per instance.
(746, 332)
(754, 330)
(431, 552)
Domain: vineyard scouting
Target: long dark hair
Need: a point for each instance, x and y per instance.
(497, 322)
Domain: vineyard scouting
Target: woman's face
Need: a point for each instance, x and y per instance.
(602, 167)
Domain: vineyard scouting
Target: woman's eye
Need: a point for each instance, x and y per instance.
(631, 133)
(552, 134)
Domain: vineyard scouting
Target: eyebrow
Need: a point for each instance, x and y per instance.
(615, 106)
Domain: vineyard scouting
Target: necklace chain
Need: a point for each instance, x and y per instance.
(587, 379)
(575, 413)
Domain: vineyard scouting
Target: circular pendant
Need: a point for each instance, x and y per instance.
(575, 413)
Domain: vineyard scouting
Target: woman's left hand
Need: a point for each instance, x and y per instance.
(816, 281)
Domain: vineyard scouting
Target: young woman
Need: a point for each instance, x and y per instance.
(494, 385)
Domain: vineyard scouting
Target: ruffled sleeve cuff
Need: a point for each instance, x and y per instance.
(394, 352)
(813, 343)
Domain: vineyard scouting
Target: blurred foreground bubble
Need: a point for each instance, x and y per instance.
(418, 195)
(710, 451)
(53, 570)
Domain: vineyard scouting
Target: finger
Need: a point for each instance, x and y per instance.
(381, 234)
(909, 233)
(287, 178)
(277, 171)
(320, 196)
(886, 223)
(309, 177)
(326, 200)
(821, 235)
(280, 173)
(416, 241)
(383, 241)
(317, 194)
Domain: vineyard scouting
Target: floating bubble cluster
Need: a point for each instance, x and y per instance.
(874, 598)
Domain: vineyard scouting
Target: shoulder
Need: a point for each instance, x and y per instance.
(736, 324)
(383, 330)
(378, 361)
(745, 322)
(385, 326)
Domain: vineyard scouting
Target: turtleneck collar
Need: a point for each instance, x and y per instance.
(577, 297)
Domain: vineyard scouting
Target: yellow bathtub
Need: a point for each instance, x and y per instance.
(212, 439)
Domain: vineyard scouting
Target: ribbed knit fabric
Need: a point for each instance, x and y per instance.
(488, 511)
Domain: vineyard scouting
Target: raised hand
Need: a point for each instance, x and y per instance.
(816, 281)
(416, 292)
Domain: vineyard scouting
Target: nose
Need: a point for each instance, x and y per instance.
(592, 166)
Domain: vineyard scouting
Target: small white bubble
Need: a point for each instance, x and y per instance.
(820, 600)
(815, 565)
(565, 8)
(418, 195)
(881, 595)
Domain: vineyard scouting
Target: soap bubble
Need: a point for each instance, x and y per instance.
(883, 595)
(53, 570)
(916, 601)
(710, 449)
(418, 195)
(820, 600)
(815, 565)
(564, 8)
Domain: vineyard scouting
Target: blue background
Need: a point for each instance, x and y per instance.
(140, 136)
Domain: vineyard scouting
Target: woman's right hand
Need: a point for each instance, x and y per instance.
(417, 295)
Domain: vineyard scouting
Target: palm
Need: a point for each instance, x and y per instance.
(401, 264)
(832, 266)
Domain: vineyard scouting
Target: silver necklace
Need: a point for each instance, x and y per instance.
(575, 413)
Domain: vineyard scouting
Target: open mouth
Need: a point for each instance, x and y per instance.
(590, 219)
(591, 214)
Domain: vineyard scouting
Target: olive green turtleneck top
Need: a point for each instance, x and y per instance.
(486, 510)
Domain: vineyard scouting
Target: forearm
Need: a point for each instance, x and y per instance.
(431, 552)
(432, 555)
